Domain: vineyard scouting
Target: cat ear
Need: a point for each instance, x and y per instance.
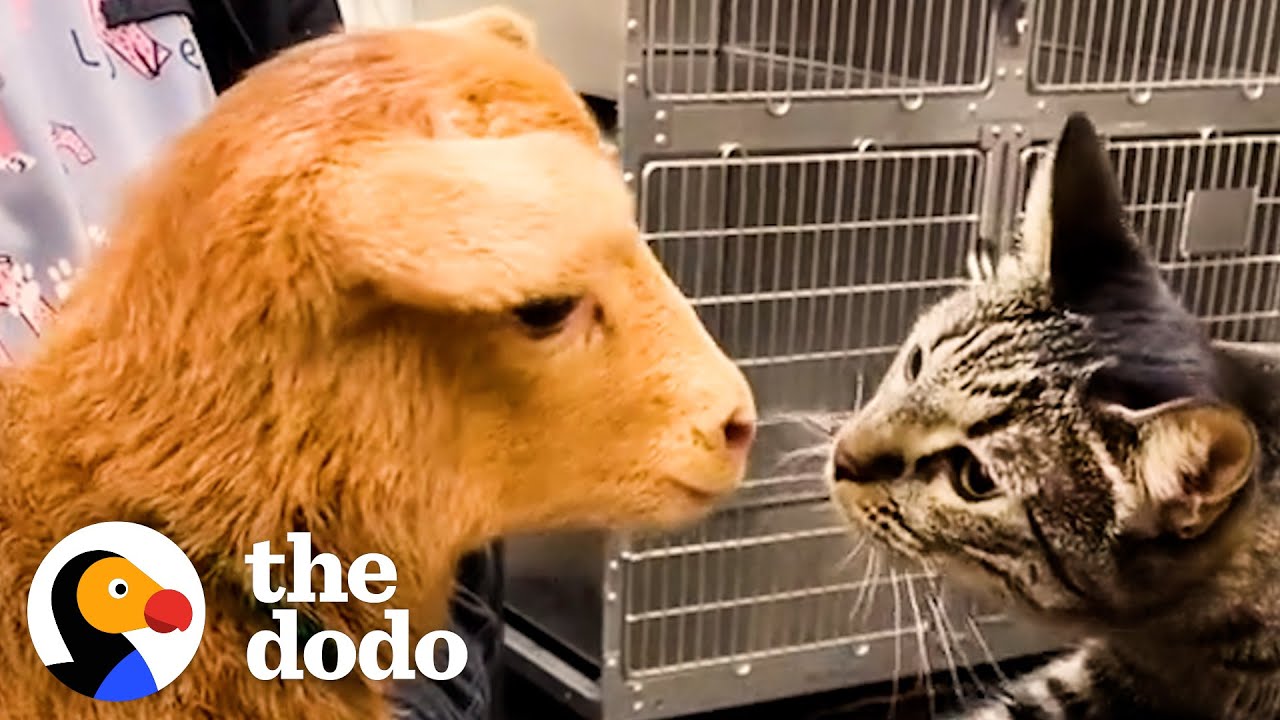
(1193, 458)
(1075, 232)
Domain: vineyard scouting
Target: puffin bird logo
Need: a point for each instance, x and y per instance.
(116, 611)
(97, 597)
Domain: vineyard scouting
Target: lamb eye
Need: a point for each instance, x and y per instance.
(968, 478)
(118, 588)
(544, 316)
(915, 361)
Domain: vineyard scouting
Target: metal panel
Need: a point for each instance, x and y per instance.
(1090, 45)
(771, 49)
(808, 260)
(1236, 291)
(809, 269)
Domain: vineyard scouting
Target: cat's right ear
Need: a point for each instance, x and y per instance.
(1193, 459)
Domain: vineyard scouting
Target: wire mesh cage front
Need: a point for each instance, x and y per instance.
(809, 270)
(1090, 45)
(1209, 210)
(770, 49)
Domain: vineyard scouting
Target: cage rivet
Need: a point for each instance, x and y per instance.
(862, 650)
(633, 79)
(1254, 92)
(742, 670)
(1042, 106)
(635, 686)
(637, 706)
(627, 177)
(1002, 72)
(660, 116)
(611, 596)
(1140, 96)
(660, 138)
(633, 25)
(613, 564)
(1018, 72)
(1019, 130)
(973, 107)
(995, 131)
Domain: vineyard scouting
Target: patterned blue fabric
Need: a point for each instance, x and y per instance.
(82, 107)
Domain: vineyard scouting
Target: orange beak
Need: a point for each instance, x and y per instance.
(168, 610)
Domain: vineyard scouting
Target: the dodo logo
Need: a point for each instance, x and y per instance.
(116, 611)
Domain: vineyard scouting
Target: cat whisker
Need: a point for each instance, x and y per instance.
(897, 641)
(986, 650)
(867, 588)
(952, 643)
(874, 587)
(864, 584)
(802, 455)
(853, 554)
(950, 646)
(824, 424)
(924, 668)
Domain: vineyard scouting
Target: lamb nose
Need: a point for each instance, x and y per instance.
(739, 432)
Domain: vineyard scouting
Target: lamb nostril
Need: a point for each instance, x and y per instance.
(739, 434)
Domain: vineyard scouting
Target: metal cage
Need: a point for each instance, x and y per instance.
(734, 50)
(802, 264)
(1092, 45)
(814, 173)
(1209, 210)
(808, 269)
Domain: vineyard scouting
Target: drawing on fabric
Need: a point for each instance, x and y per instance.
(97, 236)
(16, 163)
(62, 275)
(65, 137)
(20, 295)
(132, 43)
(12, 159)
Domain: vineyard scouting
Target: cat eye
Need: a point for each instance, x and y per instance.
(915, 362)
(545, 316)
(968, 478)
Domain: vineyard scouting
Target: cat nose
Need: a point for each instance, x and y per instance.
(881, 468)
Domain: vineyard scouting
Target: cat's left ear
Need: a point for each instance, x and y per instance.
(1075, 231)
(1193, 458)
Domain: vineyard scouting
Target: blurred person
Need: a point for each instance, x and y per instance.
(88, 90)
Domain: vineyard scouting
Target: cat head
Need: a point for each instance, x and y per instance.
(1058, 429)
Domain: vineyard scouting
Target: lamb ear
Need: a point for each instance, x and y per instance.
(1192, 460)
(472, 225)
(500, 22)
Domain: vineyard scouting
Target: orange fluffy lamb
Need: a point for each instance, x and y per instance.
(388, 292)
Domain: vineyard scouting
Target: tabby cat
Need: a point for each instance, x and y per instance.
(1064, 433)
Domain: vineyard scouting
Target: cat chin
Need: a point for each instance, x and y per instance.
(974, 578)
